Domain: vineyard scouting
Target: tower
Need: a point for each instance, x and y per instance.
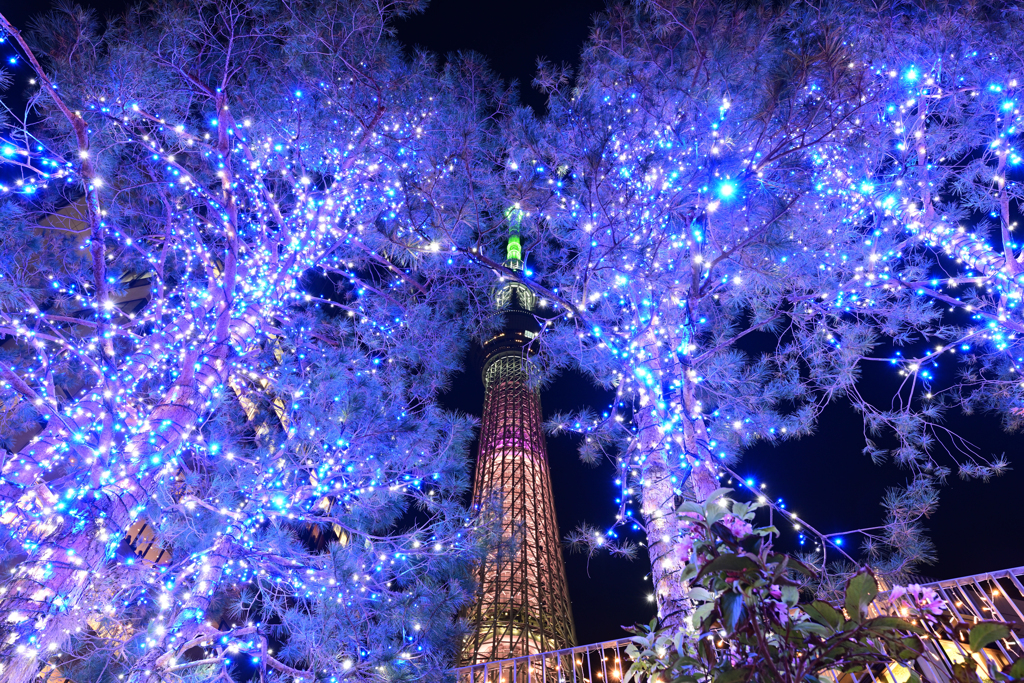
(522, 603)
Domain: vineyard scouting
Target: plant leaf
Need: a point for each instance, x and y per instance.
(823, 613)
(707, 650)
(733, 610)
(911, 647)
(702, 613)
(894, 622)
(728, 563)
(733, 675)
(964, 672)
(860, 591)
(791, 563)
(1017, 670)
(811, 627)
(987, 632)
(699, 594)
(716, 494)
(689, 506)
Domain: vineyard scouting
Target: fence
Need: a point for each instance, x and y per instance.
(995, 595)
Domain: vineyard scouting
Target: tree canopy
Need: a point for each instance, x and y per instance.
(247, 245)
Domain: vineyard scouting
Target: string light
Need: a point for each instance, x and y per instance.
(266, 286)
(685, 233)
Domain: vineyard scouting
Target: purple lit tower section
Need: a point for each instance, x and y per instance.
(522, 604)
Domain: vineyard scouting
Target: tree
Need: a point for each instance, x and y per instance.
(939, 166)
(727, 269)
(269, 180)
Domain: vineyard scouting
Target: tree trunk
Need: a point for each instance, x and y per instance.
(665, 483)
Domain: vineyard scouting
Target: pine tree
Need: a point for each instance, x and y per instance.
(227, 320)
(940, 165)
(719, 254)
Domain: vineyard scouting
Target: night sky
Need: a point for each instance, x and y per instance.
(978, 527)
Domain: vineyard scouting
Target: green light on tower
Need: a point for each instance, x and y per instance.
(514, 250)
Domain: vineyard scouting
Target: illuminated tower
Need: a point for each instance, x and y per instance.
(522, 604)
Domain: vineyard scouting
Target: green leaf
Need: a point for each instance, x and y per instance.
(823, 613)
(860, 591)
(699, 594)
(700, 614)
(894, 623)
(752, 543)
(791, 563)
(1017, 670)
(690, 506)
(802, 568)
(987, 632)
(812, 628)
(677, 642)
(688, 573)
(728, 563)
(733, 610)
(911, 647)
(715, 495)
(714, 513)
(834, 653)
(790, 595)
(706, 649)
(965, 672)
(779, 566)
(733, 675)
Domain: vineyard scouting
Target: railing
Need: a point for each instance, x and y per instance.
(995, 595)
(596, 663)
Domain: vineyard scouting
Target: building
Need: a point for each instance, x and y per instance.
(522, 604)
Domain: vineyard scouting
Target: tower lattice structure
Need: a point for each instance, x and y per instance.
(522, 604)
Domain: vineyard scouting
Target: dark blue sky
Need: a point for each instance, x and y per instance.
(512, 34)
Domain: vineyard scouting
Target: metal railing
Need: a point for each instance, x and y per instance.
(994, 595)
(596, 663)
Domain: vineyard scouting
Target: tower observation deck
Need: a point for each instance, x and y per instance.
(522, 603)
